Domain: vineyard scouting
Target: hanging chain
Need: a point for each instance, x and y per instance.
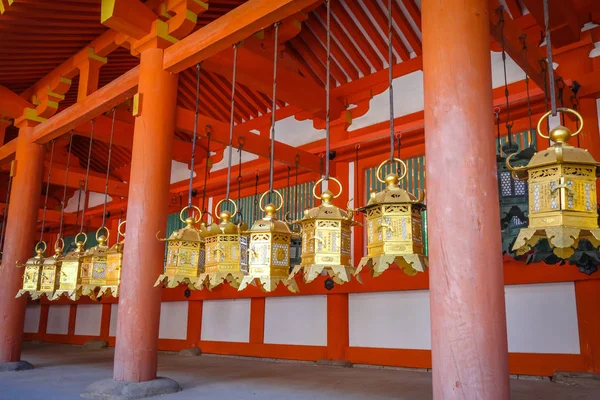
(273, 107)
(296, 187)
(64, 199)
(560, 84)
(193, 159)
(497, 114)
(327, 91)
(241, 142)
(506, 92)
(110, 144)
(575, 102)
(288, 206)
(208, 130)
(391, 77)
(80, 191)
(255, 210)
(549, 56)
(231, 119)
(399, 143)
(87, 174)
(356, 148)
(5, 216)
(531, 139)
(47, 190)
(544, 72)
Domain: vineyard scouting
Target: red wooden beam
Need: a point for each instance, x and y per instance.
(565, 26)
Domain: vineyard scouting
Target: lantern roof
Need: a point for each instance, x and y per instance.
(393, 194)
(100, 250)
(75, 254)
(270, 224)
(189, 233)
(327, 210)
(226, 226)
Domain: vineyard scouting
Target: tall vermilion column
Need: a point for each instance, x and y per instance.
(19, 240)
(139, 300)
(468, 321)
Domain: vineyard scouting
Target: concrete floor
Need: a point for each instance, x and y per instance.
(63, 372)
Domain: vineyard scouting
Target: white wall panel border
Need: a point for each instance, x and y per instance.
(299, 320)
(226, 320)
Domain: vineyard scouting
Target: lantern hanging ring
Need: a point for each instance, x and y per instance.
(98, 235)
(59, 246)
(235, 208)
(40, 247)
(378, 173)
(562, 110)
(84, 238)
(120, 230)
(197, 218)
(331, 178)
(267, 192)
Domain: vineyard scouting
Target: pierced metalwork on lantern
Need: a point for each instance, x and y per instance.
(394, 227)
(185, 253)
(94, 265)
(326, 240)
(269, 252)
(226, 251)
(562, 195)
(32, 273)
(50, 279)
(114, 264)
(71, 271)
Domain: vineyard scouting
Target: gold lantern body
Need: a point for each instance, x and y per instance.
(269, 252)
(185, 253)
(72, 272)
(33, 272)
(94, 265)
(51, 271)
(226, 252)
(114, 264)
(394, 228)
(326, 240)
(562, 194)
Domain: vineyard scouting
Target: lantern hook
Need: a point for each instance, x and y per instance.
(40, 247)
(98, 233)
(560, 138)
(267, 192)
(195, 220)
(84, 238)
(235, 208)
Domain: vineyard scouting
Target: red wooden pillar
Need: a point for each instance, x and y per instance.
(468, 321)
(19, 242)
(139, 301)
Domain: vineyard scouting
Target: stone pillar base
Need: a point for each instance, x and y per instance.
(95, 344)
(334, 363)
(191, 352)
(15, 366)
(110, 389)
(582, 379)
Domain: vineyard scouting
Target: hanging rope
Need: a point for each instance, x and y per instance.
(64, 199)
(255, 210)
(356, 148)
(273, 107)
(5, 216)
(544, 72)
(208, 131)
(506, 92)
(110, 144)
(231, 119)
(241, 142)
(391, 78)
(327, 92)
(87, 174)
(499, 144)
(531, 139)
(549, 55)
(47, 190)
(194, 138)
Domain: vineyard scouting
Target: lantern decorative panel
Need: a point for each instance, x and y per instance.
(33, 272)
(562, 195)
(72, 271)
(185, 253)
(394, 227)
(226, 251)
(50, 280)
(326, 240)
(269, 252)
(94, 262)
(114, 264)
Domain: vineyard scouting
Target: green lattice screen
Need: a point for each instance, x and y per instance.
(414, 180)
(70, 242)
(523, 139)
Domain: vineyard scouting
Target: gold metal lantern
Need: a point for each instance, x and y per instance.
(562, 194)
(185, 253)
(394, 227)
(269, 252)
(94, 265)
(71, 271)
(326, 240)
(114, 264)
(32, 274)
(50, 279)
(226, 251)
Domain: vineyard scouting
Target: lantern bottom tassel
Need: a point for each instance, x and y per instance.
(108, 291)
(269, 283)
(212, 280)
(33, 293)
(562, 239)
(71, 294)
(411, 264)
(172, 281)
(339, 273)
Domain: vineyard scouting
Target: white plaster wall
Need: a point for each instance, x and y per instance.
(58, 319)
(173, 320)
(300, 320)
(95, 200)
(114, 310)
(226, 320)
(235, 159)
(179, 171)
(390, 320)
(88, 319)
(32, 318)
(542, 318)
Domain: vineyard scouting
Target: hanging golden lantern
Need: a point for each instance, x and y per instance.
(72, 271)
(114, 264)
(226, 251)
(394, 227)
(94, 264)
(326, 240)
(269, 252)
(185, 253)
(562, 194)
(32, 273)
(51, 270)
